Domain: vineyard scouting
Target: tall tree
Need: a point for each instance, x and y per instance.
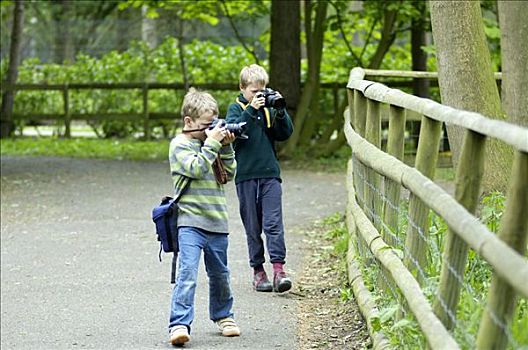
(64, 15)
(148, 28)
(314, 48)
(419, 58)
(390, 17)
(8, 98)
(514, 53)
(285, 51)
(388, 32)
(466, 79)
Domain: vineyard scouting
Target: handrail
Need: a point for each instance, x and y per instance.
(511, 134)
(408, 74)
(507, 262)
(373, 211)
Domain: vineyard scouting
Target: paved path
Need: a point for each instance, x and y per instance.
(79, 263)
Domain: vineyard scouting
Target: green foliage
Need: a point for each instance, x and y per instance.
(335, 233)
(346, 294)
(208, 63)
(492, 209)
(403, 331)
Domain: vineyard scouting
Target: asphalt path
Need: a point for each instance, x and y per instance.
(79, 259)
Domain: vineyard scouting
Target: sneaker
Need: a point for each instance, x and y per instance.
(179, 335)
(261, 282)
(281, 282)
(228, 327)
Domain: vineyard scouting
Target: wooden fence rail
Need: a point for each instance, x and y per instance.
(145, 114)
(372, 216)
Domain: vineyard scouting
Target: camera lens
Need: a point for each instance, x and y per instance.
(277, 102)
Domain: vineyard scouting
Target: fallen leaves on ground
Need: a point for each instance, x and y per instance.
(325, 320)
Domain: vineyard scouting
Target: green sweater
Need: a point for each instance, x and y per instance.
(203, 205)
(256, 158)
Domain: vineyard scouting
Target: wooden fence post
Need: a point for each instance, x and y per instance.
(351, 109)
(146, 126)
(418, 225)
(360, 118)
(67, 115)
(395, 147)
(360, 112)
(514, 232)
(372, 205)
(468, 179)
(372, 135)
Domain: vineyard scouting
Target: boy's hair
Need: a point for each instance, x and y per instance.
(196, 103)
(253, 74)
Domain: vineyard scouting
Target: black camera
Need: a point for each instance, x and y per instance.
(272, 98)
(239, 129)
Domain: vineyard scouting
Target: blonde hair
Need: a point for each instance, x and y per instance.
(196, 103)
(253, 74)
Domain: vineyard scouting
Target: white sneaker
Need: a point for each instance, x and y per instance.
(228, 327)
(179, 335)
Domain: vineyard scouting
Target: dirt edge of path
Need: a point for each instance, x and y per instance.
(325, 320)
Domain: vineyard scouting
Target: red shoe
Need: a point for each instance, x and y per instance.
(281, 282)
(261, 282)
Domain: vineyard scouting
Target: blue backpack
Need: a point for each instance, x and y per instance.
(165, 217)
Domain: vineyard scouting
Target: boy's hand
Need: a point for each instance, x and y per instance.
(229, 137)
(218, 132)
(258, 101)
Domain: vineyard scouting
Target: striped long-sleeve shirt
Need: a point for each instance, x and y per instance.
(203, 205)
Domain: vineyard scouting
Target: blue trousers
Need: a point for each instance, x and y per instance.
(261, 210)
(192, 241)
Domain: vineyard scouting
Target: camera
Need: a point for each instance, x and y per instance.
(272, 98)
(238, 129)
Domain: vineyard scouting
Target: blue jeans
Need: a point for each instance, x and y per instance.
(192, 241)
(260, 202)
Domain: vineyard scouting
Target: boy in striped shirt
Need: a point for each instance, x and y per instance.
(202, 215)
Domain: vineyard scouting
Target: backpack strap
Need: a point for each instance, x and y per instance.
(179, 188)
(266, 111)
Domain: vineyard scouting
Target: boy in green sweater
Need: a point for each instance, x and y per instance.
(258, 179)
(202, 215)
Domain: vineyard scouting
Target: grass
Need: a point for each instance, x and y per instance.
(86, 148)
(123, 149)
(133, 149)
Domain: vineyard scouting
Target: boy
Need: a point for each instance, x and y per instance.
(258, 179)
(202, 216)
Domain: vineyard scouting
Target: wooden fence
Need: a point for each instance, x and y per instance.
(145, 115)
(392, 211)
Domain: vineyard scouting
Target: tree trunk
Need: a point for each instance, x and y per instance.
(285, 51)
(312, 121)
(8, 98)
(514, 53)
(181, 53)
(419, 57)
(388, 34)
(148, 28)
(124, 32)
(314, 44)
(466, 79)
(63, 38)
(419, 61)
